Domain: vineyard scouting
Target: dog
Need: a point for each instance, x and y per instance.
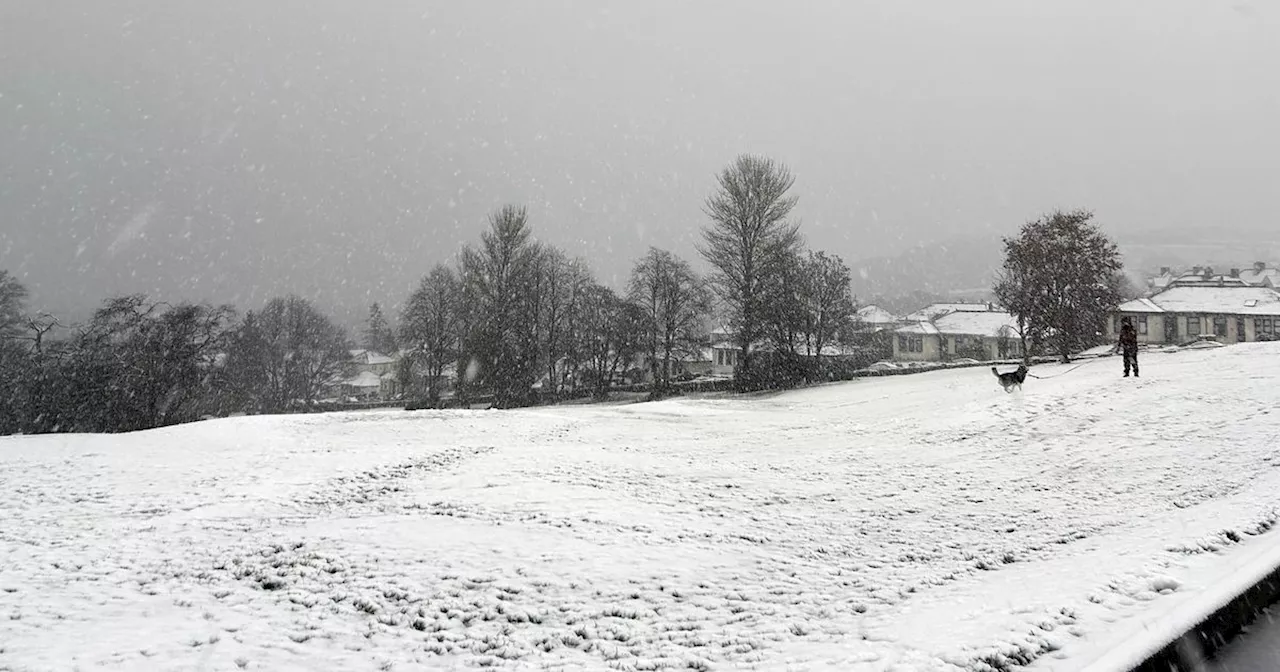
(1013, 379)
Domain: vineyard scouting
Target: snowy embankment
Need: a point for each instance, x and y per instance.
(921, 522)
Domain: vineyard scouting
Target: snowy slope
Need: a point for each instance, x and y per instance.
(925, 522)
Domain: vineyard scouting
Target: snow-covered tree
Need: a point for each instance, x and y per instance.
(1061, 277)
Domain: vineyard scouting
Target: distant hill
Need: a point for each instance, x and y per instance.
(956, 269)
(1147, 252)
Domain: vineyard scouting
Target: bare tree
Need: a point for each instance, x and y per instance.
(820, 303)
(673, 303)
(826, 299)
(611, 331)
(496, 278)
(578, 285)
(1061, 277)
(293, 352)
(430, 327)
(558, 282)
(748, 244)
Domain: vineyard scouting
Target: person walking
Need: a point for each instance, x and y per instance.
(1129, 346)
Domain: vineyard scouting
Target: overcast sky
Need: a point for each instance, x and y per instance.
(239, 149)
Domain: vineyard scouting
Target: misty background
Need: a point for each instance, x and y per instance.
(239, 150)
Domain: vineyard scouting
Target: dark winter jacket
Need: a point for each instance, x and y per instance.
(1129, 339)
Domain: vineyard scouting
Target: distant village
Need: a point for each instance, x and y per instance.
(1178, 307)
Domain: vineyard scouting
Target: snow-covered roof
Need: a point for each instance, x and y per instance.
(928, 312)
(1261, 277)
(987, 323)
(1211, 281)
(1226, 300)
(1139, 306)
(925, 328)
(364, 379)
(876, 315)
(371, 357)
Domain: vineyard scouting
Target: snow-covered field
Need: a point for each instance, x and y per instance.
(924, 522)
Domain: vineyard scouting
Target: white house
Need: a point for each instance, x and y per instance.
(875, 319)
(1229, 312)
(985, 335)
(373, 375)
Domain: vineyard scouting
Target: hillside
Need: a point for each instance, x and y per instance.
(930, 522)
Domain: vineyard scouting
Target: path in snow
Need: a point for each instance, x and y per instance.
(917, 522)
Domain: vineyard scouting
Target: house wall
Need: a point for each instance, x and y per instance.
(699, 367)
(724, 360)
(990, 346)
(930, 348)
(1182, 323)
(1155, 327)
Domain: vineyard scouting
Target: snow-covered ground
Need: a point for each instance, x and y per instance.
(925, 522)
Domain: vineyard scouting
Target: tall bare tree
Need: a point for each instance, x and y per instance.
(1061, 277)
(496, 281)
(674, 304)
(748, 244)
(430, 329)
(578, 286)
(559, 281)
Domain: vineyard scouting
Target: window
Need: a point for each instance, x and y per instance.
(1193, 326)
(1240, 330)
(1220, 326)
(1142, 325)
(1263, 325)
(917, 344)
(910, 343)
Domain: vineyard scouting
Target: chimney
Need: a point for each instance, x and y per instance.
(1259, 266)
(1164, 270)
(1208, 272)
(1235, 272)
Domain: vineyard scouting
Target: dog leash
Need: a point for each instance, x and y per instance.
(1061, 373)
